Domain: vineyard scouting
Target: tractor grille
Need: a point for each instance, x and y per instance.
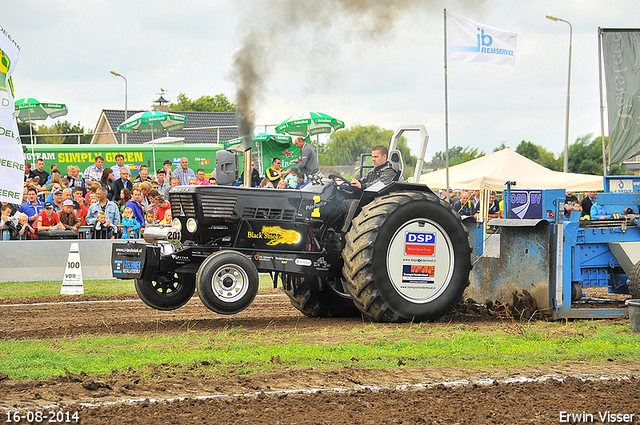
(182, 204)
(268, 213)
(218, 206)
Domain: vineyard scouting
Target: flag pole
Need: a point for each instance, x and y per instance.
(604, 151)
(446, 111)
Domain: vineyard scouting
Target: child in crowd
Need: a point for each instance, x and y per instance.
(291, 178)
(93, 199)
(175, 181)
(25, 231)
(193, 181)
(130, 225)
(6, 223)
(301, 181)
(167, 218)
(282, 184)
(103, 229)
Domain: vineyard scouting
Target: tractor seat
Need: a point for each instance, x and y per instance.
(395, 159)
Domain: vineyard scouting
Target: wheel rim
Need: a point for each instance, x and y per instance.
(230, 283)
(420, 260)
(166, 285)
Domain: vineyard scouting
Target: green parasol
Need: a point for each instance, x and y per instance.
(30, 108)
(309, 124)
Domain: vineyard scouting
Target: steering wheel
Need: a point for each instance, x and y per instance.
(342, 184)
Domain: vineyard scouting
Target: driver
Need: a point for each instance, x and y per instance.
(382, 171)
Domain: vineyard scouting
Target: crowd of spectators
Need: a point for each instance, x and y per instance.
(95, 203)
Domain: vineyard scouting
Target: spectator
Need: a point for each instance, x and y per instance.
(32, 207)
(292, 178)
(464, 206)
(94, 188)
(80, 205)
(125, 195)
(92, 200)
(571, 203)
(143, 175)
(587, 203)
(167, 218)
(266, 183)
(382, 171)
(192, 181)
(166, 166)
(106, 181)
(302, 180)
(122, 183)
(6, 222)
(162, 206)
(494, 206)
(112, 215)
(54, 169)
(175, 181)
(135, 204)
(307, 162)
(145, 188)
(282, 184)
(130, 225)
(57, 201)
(119, 165)
(28, 174)
(163, 185)
(93, 173)
(56, 179)
(184, 173)
(67, 194)
(47, 219)
(213, 181)
(201, 180)
(274, 173)
(102, 228)
(75, 180)
(68, 216)
(255, 175)
(24, 230)
(39, 172)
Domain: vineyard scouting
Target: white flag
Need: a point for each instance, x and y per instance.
(470, 41)
(11, 156)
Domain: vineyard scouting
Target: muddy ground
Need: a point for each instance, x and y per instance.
(185, 395)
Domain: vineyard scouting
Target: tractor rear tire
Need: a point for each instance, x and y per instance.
(169, 292)
(407, 258)
(634, 281)
(316, 296)
(227, 282)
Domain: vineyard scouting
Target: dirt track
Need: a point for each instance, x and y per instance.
(402, 395)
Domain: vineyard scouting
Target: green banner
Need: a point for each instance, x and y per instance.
(621, 57)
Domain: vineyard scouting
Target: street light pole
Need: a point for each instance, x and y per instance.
(126, 112)
(566, 131)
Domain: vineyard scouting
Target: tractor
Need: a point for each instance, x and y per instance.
(393, 252)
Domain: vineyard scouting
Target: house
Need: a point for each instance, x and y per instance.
(212, 127)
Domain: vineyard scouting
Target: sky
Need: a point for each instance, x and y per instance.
(363, 61)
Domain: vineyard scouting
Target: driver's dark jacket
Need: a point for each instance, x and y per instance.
(384, 173)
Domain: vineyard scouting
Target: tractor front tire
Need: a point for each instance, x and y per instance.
(168, 292)
(634, 281)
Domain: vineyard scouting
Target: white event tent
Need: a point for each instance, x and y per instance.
(492, 171)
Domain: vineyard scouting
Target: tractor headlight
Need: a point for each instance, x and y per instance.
(176, 223)
(192, 225)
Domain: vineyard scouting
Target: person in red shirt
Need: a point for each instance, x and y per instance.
(47, 219)
(162, 207)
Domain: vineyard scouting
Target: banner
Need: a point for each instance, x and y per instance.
(621, 57)
(470, 41)
(11, 157)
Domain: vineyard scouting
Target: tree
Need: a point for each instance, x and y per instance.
(217, 103)
(60, 128)
(540, 155)
(457, 155)
(345, 146)
(585, 156)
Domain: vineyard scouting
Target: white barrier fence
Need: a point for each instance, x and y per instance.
(32, 261)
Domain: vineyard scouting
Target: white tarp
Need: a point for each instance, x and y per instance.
(494, 170)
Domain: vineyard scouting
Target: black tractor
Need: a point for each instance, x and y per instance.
(393, 252)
